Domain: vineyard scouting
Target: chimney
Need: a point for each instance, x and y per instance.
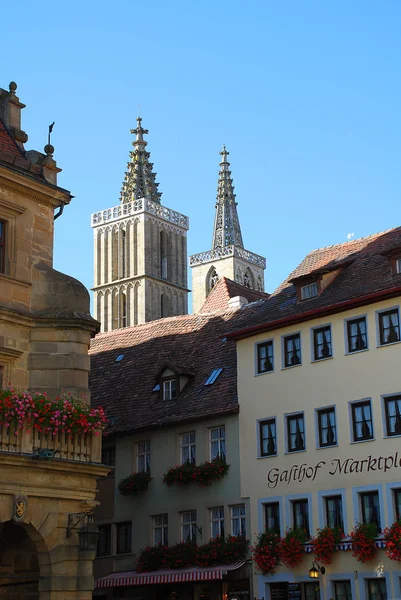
(10, 113)
(237, 302)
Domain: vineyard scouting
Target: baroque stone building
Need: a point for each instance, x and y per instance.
(227, 257)
(45, 330)
(140, 247)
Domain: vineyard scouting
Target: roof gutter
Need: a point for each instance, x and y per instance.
(315, 313)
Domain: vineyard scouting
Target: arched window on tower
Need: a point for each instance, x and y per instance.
(163, 255)
(212, 279)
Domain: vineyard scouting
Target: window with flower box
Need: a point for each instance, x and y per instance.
(104, 540)
(238, 521)
(267, 438)
(143, 457)
(392, 408)
(300, 515)
(188, 447)
(342, 590)
(295, 432)
(124, 537)
(217, 522)
(357, 336)
(265, 357)
(292, 350)
(370, 508)
(376, 589)
(272, 517)
(389, 326)
(188, 526)
(160, 530)
(326, 419)
(362, 423)
(334, 511)
(322, 347)
(217, 442)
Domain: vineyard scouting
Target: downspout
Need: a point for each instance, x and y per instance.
(60, 212)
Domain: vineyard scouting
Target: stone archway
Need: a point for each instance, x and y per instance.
(19, 563)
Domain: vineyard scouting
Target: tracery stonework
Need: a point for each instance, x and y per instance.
(140, 250)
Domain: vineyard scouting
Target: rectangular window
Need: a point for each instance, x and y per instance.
(188, 447)
(104, 540)
(311, 591)
(326, 419)
(295, 433)
(389, 327)
(300, 516)
(267, 438)
(398, 265)
(309, 291)
(272, 517)
(322, 343)
(143, 457)
(334, 512)
(2, 246)
(217, 522)
(362, 425)
(109, 456)
(188, 526)
(238, 520)
(265, 357)
(124, 537)
(397, 503)
(357, 334)
(292, 350)
(392, 407)
(376, 589)
(218, 442)
(342, 590)
(160, 530)
(170, 389)
(370, 508)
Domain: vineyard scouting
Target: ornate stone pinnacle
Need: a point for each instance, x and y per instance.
(227, 230)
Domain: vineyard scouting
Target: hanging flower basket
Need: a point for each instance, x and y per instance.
(204, 474)
(266, 553)
(363, 541)
(325, 543)
(134, 483)
(392, 537)
(292, 547)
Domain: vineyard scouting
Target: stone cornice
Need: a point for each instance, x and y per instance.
(31, 188)
(137, 280)
(34, 320)
(140, 206)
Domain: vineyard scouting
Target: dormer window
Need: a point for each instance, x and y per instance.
(309, 291)
(398, 265)
(170, 389)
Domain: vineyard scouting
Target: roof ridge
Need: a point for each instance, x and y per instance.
(365, 237)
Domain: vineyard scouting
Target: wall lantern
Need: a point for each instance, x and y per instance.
(87, 531)
(316, 570)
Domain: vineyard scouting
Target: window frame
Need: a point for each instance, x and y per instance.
(276, 517)
(219, 440)
(379, 328)
(336, 497)
(259, 435)
(287, 418)
(190, 445)
(314, 331)
(304, 501)
(370, 493)
(146, 454)
(127, 537)
(385, 400)
(106, 527)
(164, 386)
(308, 286)
(397, 264)
(241, 518)
(318, 412)
(369, 579)
(266, 343)
(220, 520)
(163, 527)
(192, 524)
(347, 323)
(342, 579)
(284, 340)
(352, 406)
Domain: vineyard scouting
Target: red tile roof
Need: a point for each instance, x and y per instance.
(7, 143)
(224, 290)
(125, 388)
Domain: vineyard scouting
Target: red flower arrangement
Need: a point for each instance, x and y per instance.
(363, 541)
(151, 558)
(325, 543)
(392, 537)
(266, 552)
(65, 414)
(134, 483)
(181, 555)
(204, 473)
(291, 547)
(220, 550)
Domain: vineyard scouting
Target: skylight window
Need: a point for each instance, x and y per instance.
(119, 358)
(212, 378)
(156, 388)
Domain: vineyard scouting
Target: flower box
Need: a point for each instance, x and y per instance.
(134, 483)
(204, 474)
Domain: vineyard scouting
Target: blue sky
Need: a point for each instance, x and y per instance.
(306, 96)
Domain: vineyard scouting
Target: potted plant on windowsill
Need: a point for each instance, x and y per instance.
(134, 483)
(363, 537)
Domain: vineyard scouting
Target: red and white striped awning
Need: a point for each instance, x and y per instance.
(129, 578)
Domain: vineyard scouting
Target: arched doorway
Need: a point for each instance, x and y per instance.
(19, 570)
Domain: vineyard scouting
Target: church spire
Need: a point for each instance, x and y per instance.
(139, 179)
(227, 230)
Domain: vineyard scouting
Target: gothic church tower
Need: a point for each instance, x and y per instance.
(227, 258)
(140, 250)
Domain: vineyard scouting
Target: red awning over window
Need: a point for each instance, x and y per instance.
(130, 578)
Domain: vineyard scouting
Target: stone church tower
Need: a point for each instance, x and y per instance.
(140, 250)
(227, 258)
